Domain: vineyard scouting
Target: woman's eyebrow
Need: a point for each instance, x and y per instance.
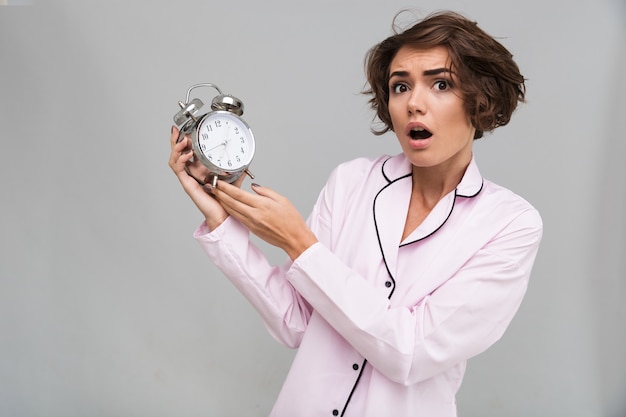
(436, 71)
(399, 74)
(426, 73)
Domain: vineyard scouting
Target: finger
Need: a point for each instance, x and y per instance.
(266, 192)
(178, 160)
(182, 146)
(232, 206)
(184, 157)
(238, 203)
(175, 133)
(179, 149)
(228, 192)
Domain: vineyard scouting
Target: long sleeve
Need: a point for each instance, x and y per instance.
(283, 310)
(459, 319)
(458, 287)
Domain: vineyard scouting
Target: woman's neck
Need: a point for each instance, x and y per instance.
(430, 185)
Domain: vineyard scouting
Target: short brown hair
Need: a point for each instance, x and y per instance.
(489, 80)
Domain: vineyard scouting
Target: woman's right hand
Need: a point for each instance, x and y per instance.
(212, 210)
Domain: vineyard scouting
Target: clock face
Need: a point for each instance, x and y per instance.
(226, 141)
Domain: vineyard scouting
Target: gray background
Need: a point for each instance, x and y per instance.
(109, 308)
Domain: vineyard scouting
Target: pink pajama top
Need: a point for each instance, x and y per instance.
(384, 327)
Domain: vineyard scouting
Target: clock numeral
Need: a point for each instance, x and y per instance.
(230, 164)
(238, 158)
(243, 150)
(218, 123)
(203, 146)
(209, 128)
(205, 136)
(236, 131)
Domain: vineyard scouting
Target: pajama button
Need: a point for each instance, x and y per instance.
(388, 284)
(355, 367)
(335, 412)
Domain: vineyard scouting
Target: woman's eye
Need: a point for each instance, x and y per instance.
(400, 88)
(441, 85)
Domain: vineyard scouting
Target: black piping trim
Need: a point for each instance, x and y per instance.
(345, 407)
(380, 244)
(482, 184)
(383, 169)
(449, 214)
(390, 182)
(437, 229)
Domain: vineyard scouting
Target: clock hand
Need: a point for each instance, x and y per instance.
(217, 146)
(227, 134)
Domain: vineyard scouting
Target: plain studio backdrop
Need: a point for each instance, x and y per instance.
(108, 307)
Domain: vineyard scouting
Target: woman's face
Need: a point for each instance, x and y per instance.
(426, 109)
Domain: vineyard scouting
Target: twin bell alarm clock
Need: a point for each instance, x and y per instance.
(222, 142)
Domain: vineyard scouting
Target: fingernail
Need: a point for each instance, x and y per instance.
(254, 184)
(172, 130)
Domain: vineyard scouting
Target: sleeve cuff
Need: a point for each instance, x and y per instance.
(203, 232)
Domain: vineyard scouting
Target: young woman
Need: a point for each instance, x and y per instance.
(408, 265)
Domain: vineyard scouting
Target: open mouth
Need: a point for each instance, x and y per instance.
(418, 133)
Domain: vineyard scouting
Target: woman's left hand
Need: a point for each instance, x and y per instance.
(268, 215)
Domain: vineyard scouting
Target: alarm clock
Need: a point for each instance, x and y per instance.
(221, 140)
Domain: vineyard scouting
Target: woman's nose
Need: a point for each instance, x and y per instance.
(417, 103)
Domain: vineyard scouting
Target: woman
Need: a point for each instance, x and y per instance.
(408, 265)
